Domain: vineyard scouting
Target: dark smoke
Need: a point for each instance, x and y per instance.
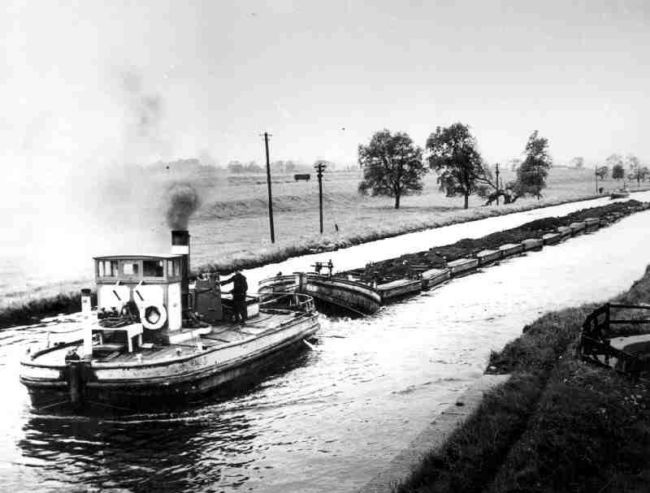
(182, 202)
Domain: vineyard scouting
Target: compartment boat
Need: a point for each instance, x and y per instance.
(155, 339)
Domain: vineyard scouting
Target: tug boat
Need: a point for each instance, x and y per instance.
(155, 339)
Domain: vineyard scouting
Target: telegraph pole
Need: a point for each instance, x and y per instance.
(497, 173)
(320, 167)
(268, 183)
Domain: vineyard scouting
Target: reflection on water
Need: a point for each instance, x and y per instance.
(335, 416)
(140, 453)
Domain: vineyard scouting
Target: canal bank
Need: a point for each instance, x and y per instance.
(29, 308)
(556, 424)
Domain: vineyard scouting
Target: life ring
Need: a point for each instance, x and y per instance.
(154, 317)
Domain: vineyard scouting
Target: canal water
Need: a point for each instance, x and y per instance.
(329, 419)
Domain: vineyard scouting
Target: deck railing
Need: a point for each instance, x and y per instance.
(291, 301)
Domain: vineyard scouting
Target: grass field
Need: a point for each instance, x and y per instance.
(558, 424)
(231, 226)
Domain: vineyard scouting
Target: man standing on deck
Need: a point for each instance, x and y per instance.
(239, 288)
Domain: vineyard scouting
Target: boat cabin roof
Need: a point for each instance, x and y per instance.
(160, 256)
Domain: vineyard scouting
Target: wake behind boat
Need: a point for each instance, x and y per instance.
(154, 339)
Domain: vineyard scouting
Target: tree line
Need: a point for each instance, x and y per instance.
(635, 170)
(394, 166)
(252, 167)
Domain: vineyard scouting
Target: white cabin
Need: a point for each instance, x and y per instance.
(152, 282)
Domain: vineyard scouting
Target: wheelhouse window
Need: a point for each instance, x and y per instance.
(107, 268)
(173, 268)
(153, 268)
(130, 268)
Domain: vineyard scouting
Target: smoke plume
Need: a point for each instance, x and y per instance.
(183, 201)
(145, 137)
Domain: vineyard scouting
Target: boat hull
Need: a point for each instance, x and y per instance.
(398, 289)
(335, 293)
(166, 384)
(356, 297)
(462, 266)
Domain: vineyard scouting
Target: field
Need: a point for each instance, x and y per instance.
(231, 226)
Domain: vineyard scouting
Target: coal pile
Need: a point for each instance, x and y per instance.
(411, 265)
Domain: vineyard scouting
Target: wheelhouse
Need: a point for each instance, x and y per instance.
(151, 282)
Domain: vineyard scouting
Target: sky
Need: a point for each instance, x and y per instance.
(81, 78)
(91, 87)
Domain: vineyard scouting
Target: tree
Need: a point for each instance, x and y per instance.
(602, 172)
(618, 172)
(578, 162)
(454, 156)
(531, 175)
(235, 167)
(612, 160)
(253, 167)
(392, 166)
(637, 172)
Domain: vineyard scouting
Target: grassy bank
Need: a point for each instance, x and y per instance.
(266, 254)
(30, 311)
(559, 424)
(35, 310)
(231, 228)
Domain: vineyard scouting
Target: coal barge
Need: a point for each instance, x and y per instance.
(156, 339)
(363, 291)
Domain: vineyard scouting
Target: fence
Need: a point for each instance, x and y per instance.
(607, 322)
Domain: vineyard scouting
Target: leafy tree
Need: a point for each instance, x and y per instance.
(454, 156)
(532, 174)
(578, 162)
(392, 166)
(618, 172)
(614, 159)
(637, 171)
(602, 172)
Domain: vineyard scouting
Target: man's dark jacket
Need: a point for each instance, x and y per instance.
(239, 285)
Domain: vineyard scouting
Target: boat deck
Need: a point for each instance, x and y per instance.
(219, 335)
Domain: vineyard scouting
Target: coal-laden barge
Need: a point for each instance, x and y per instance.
(156, 339)
(363, 291)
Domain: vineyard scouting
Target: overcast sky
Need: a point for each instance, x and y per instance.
(99, 82)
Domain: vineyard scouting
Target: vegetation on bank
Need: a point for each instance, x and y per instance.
(273, 254)
(35, 310)
(559, 424)
(30, 311)
(232, 225)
